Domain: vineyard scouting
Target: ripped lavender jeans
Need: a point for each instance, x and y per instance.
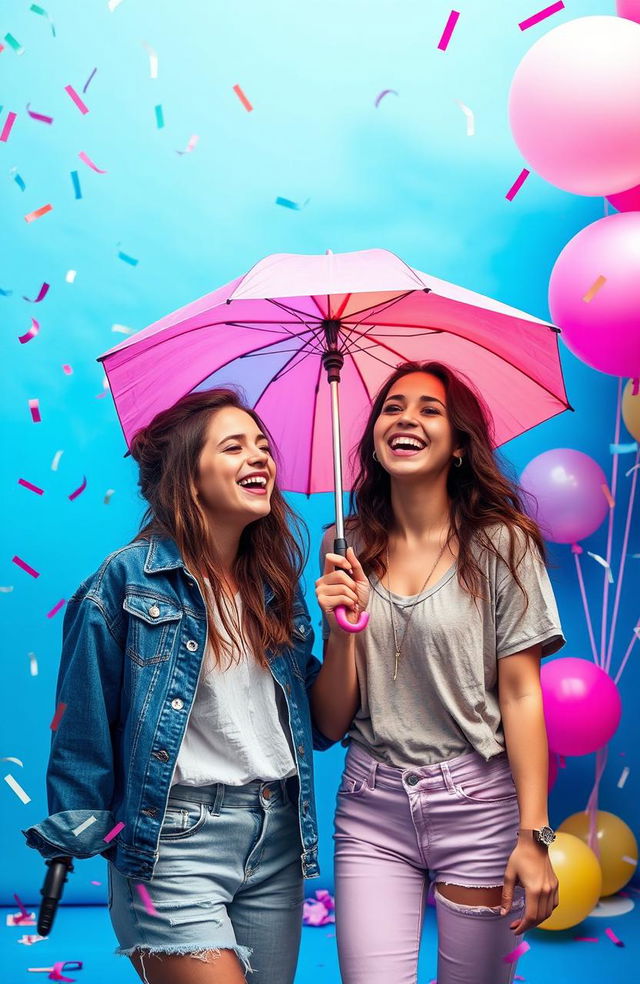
(228, 876)
(397, 831)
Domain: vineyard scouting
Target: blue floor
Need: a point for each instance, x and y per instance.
(84, 933)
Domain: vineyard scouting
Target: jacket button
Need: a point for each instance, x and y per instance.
(177, 704)
(154, 611)
(301, 749)
(192, 645)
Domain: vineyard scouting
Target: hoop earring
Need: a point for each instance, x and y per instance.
(457, 461)
(374, 456)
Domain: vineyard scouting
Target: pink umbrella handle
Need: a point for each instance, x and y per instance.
(347, 626)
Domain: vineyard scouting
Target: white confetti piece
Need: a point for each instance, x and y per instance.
(33, 664)
(471, 120)
(10, 758)
(122, 329)
(6, 588)
(600, 560)
(70, 276)
(56, 460)
(153, 59)
(83, 826)
(629, 860)
(623, 777)
(107, 496)
(17, 788)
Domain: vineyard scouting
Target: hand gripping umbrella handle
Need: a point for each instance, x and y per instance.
(340, 547)
(347, 626)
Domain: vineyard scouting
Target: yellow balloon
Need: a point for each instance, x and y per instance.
(579, 878)
(631, 410)
(617, 847)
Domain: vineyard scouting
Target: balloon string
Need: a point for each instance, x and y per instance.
(634, 637)
(592, 803)
(614, 484)
(576, 553)
(623, 558)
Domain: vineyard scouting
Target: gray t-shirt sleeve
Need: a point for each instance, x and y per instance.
(520, 624)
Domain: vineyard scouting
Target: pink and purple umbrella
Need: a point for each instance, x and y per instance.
(294, 321)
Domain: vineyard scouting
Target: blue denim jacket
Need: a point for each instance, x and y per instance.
(133, 641)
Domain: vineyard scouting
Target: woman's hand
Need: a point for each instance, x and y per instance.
(346, 586)
(529, 865)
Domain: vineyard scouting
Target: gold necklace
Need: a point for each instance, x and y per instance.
(399, 645)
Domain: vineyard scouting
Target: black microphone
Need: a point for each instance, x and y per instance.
(51, 892)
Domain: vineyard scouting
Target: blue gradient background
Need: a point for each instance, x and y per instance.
(404, 176)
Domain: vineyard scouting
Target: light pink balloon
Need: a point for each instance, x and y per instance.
(605, 331)
(574, 105)
(582, 706)
(563, 493)
(629, 9)
(626, 201)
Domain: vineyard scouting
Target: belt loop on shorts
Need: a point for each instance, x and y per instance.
(446, 774)
(219, 800)
(371, 778)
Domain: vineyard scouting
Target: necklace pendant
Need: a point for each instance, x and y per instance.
(395, 671)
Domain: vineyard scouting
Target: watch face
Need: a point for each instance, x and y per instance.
(546, 836)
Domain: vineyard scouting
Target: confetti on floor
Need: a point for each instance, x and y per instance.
(541, 15)
(448, 30)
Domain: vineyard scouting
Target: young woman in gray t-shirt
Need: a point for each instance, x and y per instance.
(445, 779)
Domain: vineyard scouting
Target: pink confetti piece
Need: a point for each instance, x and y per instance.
(34, 409)
(82, 106)
(519, 950)
(28, 335)
(29, 940)
(25, 914)
(32, 216)
(517, 184)
(448, 30)
(79, 490)
(17, 919)
(541, 15)
(114, 832)
(597, 285)
(96, 883)
(381, 95)
(57, 717)
(8, 126)
(20, 793)
(192, 144)
(143, 892)
(67, 369)
(60, 966)
(516, 978)
(42, 293)
(28, 485)
(243, 99)
(56, 608)
(40, 117)
(22, 564)
(612, 936)
(607, 494)
(86, 85)
(87, 160)
(586, 939)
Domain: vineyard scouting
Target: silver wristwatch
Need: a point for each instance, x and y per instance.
(542, 835)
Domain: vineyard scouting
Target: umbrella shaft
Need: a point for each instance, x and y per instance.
(337, 457)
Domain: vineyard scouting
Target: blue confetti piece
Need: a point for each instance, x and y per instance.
(76, 184)
(131, 260)
(624, 448)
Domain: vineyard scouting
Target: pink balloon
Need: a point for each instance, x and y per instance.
(629, 9)
(582, 706)
(563, 493)
(604, 332)
(626, 201)
(572, 104)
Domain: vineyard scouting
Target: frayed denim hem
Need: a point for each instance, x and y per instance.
(202, 953)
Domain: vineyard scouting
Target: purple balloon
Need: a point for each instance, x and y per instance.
(582, 706)
(603, 330)
(564, 494)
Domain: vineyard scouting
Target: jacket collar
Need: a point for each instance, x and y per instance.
(163, 555)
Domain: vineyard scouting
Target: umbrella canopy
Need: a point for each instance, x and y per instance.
(268, 330)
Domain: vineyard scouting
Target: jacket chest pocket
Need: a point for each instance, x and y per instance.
(153, 626)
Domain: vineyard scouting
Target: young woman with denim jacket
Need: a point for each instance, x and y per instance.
(185, 680)
(445, 780)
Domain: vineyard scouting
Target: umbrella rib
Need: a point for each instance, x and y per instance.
(382, 305)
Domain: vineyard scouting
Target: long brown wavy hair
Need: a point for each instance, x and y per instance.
(167, 452)
(480, 494)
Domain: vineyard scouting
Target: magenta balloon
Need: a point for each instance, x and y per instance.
(629, 9)
(626, 201)
(568, 500)
(553, 771)
(572, 104)
(582, 706)
(604, 332)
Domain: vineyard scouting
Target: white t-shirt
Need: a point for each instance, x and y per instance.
(237, 731)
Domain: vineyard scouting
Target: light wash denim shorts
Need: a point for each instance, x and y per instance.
(228, 876)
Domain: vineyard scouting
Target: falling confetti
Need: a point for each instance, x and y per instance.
(541, 15)
(193, 142)
(34, 409)
(612, 936)
(114, 832)
(56, 608)
(287, 203)
(519, 950)
(43, 13)
(67, 370)
(131, 260)
(32, 488)
(517, 184)
(624, 448)
(159, 117)
(57, 717)
(107, 496)
(87, 160)
(82, 106)
(143, 892)
(33, 664)
(603, 563)
(42, 293)
(381, 95)
(56, 460)
(17, 788)
(13, 44)
(86, 85)
(70, 276)
(448, 30)
(28, 335)
(598, 283)
(22, 564)
(121, 329)
(153, 59)
(8, 126)
(83, 826)
(624, 775)
(18, 180)
(32, 216)
(243, 99)
(471, 123)
(77, 190)
(40, 117)
(79, 490)
(607, 494)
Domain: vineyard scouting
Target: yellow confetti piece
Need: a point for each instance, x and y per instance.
(595, 287)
